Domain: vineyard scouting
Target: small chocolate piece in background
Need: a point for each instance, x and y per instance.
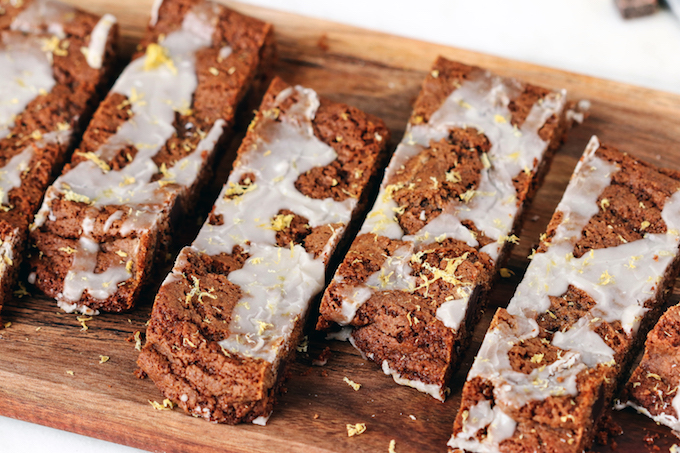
(637, 8)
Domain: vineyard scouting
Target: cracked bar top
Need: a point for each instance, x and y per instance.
(550, 362)
(54, 60)
(443, 220)
(146, 153)
(232, 310)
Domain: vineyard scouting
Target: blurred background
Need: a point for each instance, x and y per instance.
(585, 36)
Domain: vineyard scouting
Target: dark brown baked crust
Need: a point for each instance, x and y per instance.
(68, 106)
(628, 208)
(222, 84)
(401, 327)
(182, 353)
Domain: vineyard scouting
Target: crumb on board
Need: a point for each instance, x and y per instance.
(393, 446)
(103, 358)
(304, 344)
(323, 358)
(21, 292)
(506, 273)
(355, 430)
(8, 325)
(322, 43)
(70, 373)
(165, 406)
(83, 320)
(138, 340)
(355, 385)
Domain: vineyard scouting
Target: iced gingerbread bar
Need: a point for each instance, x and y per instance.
(55, 60)
(653, 387)
(414, 281)
(550, 362)
(146, 154)
(227, 319)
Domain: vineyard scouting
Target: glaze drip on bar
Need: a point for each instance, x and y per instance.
(567, 333)
(238, 297)
(445, 213)
(47, 89)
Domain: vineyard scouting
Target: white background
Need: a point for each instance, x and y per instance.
(586, 36)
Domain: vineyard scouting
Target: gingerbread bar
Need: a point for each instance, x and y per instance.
(550, 362)
(653, 387)
(414, 281)
(146, 155)
(228, 318)
(55, 60)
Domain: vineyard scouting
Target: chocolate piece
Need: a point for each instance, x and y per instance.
(550, 362)
(54, 62)
(146, 155)
(414, 281)
(227, 319)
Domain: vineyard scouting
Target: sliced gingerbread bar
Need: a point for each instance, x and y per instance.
(550, 362)
(653, 387)
(414, 281)
(55, 60)
(146, 154)
(228, 318)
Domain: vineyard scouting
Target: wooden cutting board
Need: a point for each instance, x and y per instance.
(50, 370)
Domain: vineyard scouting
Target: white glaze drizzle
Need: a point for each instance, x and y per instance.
(155, 8)
(482, 415)
(480, 103)
(25, 71)
(94, 53)
(10, 242)
(619, 279)
(262, 420)
(44, 16)
(224, 53)
(278, 283)
(664, 418)
(434, 390)
(154, 93)
(11, 174)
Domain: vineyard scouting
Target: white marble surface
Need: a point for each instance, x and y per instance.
(586, 36)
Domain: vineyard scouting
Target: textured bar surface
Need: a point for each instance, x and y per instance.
(653, 387)
(146, 155)
(550, 362)
(227, 320)
(414, 282)
(54, 62)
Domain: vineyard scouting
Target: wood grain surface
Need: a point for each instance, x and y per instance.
(50, 370)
